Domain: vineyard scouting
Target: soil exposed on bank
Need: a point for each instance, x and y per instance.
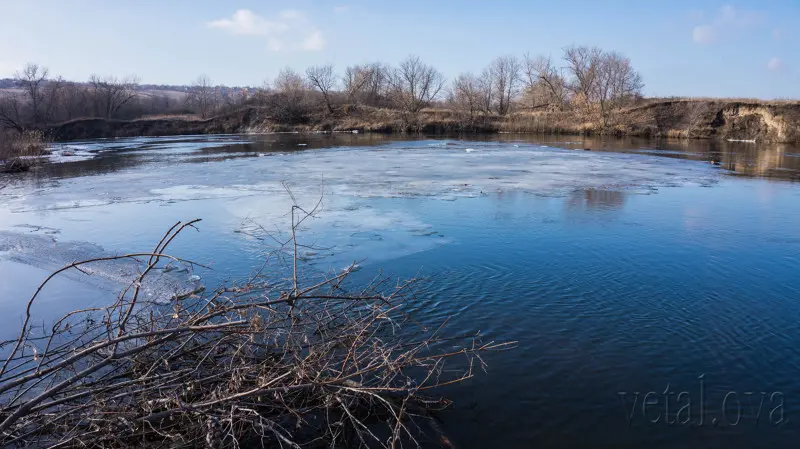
(695, 119)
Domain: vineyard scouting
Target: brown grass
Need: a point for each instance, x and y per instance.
(695, 118)
(20, 151)
(185, 117)
(759, 101)
(544, 122)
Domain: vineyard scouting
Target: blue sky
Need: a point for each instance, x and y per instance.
(697, 48)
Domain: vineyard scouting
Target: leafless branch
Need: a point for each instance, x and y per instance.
(281, 360)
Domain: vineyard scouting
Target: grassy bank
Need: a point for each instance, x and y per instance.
(681, 118)
(20, 151)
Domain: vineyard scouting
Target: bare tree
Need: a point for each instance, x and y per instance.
(11, 111)
(203, 96)
(617, 84)
(356, 80)
(262, 93)
(415, 85)
(466, 95)
(229, 99)
(604, 81)
(379, 83)
(583, 64)
(541, 75)
(39, 100)
(625, 82)
(290, 82)
(593, 80)
(323, 79)
(486, 89)
(51, 99)
(289, 102)
(111, 94)
(367, 83)
(506, 76)
(32, 78)
(75, 101)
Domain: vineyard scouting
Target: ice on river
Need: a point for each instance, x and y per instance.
(443, 170)
(252, 188)
(29, 255)
(244, 199)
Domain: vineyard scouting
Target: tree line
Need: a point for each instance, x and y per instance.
(587, 81)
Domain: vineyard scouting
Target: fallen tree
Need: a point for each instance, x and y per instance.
(290, 362)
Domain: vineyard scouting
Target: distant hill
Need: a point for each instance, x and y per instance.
(10, 83)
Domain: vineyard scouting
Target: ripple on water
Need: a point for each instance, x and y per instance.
(614, 272)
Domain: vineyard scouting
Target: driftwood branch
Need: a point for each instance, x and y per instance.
(282, 360)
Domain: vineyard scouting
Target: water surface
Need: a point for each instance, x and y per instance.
(634, 267)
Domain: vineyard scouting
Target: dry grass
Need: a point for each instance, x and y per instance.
(20, 151)
(184, 117)
(697, 118)
(758, 101)
(544, 123)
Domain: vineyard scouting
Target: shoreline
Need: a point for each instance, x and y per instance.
(684, 119)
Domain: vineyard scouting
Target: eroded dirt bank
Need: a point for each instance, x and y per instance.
(699, 119)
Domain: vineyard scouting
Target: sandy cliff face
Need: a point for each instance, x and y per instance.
(760, 122)
(779, 122)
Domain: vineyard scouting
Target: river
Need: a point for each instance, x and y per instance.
(635, 276)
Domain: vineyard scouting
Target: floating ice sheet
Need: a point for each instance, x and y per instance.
(239, 198)
(47, 253)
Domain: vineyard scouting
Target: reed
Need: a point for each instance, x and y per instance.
(19, 151)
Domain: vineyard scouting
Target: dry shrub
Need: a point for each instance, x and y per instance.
(19, 151)
(264, 363)
(182, 117)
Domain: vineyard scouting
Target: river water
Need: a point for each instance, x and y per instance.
(653, 288)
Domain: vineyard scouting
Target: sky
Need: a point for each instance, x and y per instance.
(680, 47)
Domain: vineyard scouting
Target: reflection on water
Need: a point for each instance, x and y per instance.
(196, 149)
(769, 160)
(597, 199)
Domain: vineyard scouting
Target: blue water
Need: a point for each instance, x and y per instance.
(617, 273)
(645, 295)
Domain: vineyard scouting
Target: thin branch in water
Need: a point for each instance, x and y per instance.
(244, 362)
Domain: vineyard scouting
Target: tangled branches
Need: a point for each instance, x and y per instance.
(260, 364)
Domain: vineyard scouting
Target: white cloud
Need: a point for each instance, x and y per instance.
(314, 42)
(341, 9)
(290, 30)
(703, 34)
(291, 14)
(246, 23)
(726, 23)
(776, 65)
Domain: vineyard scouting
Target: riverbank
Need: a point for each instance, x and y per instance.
(20, 151)
(681, 118)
